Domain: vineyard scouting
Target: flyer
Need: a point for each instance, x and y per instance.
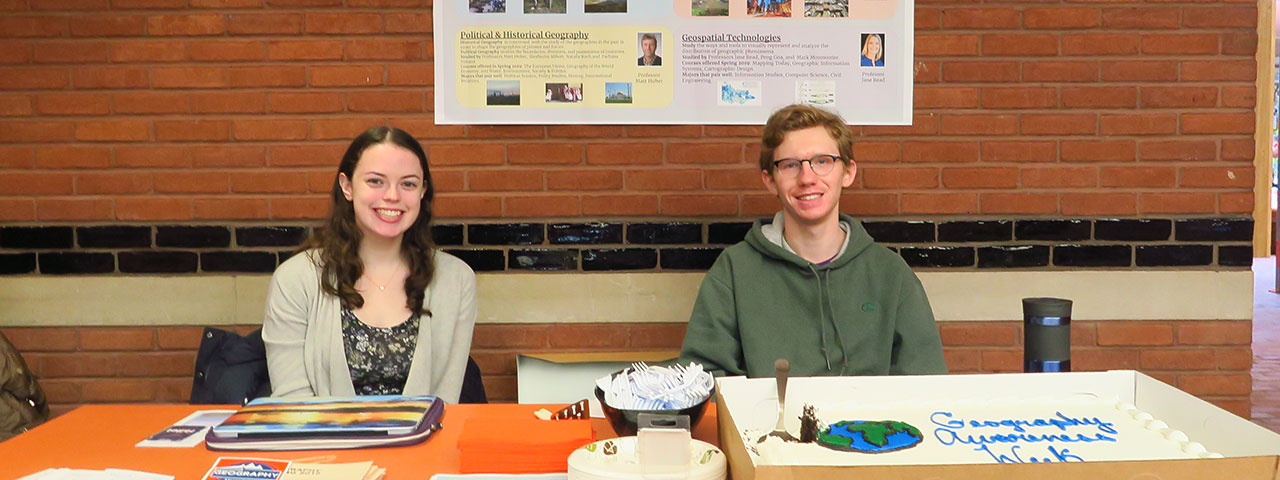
(187, 432)
(671, 61)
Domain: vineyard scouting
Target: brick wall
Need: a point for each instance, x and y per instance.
(1210, 359)
(1201, 243)
(147, 110)
(147, 113)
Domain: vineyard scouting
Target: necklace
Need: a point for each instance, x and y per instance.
(383, 286)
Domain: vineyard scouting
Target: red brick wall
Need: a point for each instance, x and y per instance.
(209, 110)
(167, 110)
(1210, 359)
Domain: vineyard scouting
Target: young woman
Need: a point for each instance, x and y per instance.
(873, 51)
(369, 306)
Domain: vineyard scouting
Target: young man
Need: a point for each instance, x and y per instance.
(811, 286)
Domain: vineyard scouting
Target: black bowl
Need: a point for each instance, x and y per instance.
(624, 421)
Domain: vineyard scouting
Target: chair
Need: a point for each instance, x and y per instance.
(230, 368)
(472, 384)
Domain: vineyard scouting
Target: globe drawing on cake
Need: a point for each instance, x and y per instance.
(868, 436)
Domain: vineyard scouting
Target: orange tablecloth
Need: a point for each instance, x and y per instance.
(102, 436)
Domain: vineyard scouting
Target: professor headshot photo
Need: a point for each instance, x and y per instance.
(649, 43)
(872, 50)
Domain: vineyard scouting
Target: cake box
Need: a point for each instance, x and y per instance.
(1220, 444)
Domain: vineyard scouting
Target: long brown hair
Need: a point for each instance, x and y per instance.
(338, 241)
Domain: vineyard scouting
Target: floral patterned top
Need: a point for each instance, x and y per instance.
(379, 358)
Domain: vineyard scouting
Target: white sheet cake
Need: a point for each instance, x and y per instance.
(1066, 429)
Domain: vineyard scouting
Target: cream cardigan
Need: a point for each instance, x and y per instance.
(303, 332)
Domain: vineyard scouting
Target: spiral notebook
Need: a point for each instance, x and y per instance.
(328, 423)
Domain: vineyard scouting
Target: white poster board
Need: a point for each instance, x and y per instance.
(670, 62)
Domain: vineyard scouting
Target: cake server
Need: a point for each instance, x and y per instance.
(781, 368)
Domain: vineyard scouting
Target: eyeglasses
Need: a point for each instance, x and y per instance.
(821, 164)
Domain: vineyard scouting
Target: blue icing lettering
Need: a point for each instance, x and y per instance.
(1014, 456)
(1004, 439)
(1060, 421)
(945, 423)
(947, 436)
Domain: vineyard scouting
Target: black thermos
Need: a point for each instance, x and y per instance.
(1046, 337)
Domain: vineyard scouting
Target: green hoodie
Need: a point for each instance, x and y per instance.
(862, 313)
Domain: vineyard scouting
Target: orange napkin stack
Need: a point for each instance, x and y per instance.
(498, 445)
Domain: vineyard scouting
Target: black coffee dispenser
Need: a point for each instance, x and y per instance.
(1046, 336)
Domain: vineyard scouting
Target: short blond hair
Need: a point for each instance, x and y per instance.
(799, 117)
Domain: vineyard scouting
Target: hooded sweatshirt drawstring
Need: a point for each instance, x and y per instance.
(824, 290)
(822, 315)
(835, 325)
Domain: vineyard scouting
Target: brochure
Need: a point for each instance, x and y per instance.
(189, 431)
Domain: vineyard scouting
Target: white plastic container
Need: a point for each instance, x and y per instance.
(618, 459)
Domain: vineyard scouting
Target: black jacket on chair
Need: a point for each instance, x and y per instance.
(472, 384)
(230, 368)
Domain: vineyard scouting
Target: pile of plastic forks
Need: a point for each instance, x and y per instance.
(647, 387)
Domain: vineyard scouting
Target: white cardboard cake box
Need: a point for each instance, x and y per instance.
(1250, 452)
(566, 377)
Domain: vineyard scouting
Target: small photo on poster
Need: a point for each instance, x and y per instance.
(604, 6)
(545, 6)
(487, 6)
(502, 92)
(740, 93)
(816, 92)
(617, 92)
(649, 44)
(769, 8)
(564, 92)
(826, 8)
(709, 8)
(872, 50)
